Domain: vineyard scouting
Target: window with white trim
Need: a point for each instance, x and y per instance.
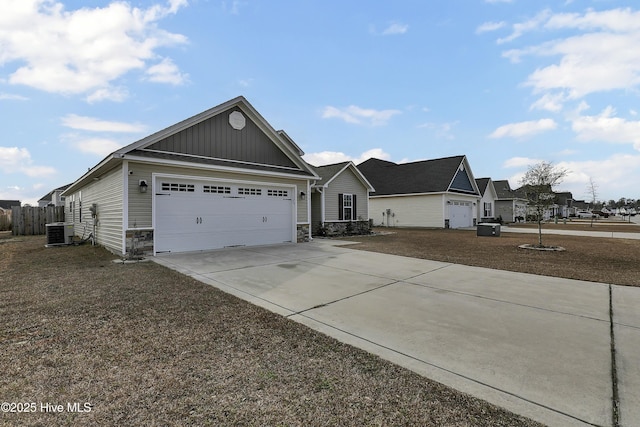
(488, 211)
(347, 206)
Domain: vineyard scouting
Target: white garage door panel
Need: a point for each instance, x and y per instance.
(460, 214)
(190, 221)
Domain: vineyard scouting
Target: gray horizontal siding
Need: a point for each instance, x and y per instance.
(346, 182)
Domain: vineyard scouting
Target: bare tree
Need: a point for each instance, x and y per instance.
(592, 190)
(538, 183)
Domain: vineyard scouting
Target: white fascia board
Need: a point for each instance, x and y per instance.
(93, 171)
(411, 195)
(191, 165)
(467, 170)
(356, 172)
(240, 102)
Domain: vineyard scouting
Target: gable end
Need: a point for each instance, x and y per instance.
(461, 182)
(221, 137)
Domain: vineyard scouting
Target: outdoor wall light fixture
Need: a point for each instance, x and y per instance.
(143, 186)
(302, 195)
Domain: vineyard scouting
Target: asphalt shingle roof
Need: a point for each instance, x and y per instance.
(7, 204)
(427, 176)
(327, 172)
(482, 184)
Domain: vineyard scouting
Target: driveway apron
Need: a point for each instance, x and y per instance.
(555, 350)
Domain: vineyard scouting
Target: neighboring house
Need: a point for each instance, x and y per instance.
(53, 198)
(581, 205)
(221, 178)
(340, 200)
(486, 207)
(5, 213)
(440, 193)
(6, 205)
(563, 206)
(511, 206)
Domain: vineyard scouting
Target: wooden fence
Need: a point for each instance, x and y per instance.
(29, 221)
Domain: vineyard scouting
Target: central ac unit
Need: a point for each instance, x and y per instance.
(59, 233)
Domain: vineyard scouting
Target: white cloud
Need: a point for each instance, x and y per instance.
(166, 72)
(116, 94)
(18, 160)
(615, 176)
(12, 97)
(549, 102)
(356, 115)
(74, 121)
(522, 129)
(330, 157)
(233, 7)
(523, 27)
(395, 28)
(605, 127)
(600, 54)
(84, 50)
(97, 146)
(490, 26)
(245, 82)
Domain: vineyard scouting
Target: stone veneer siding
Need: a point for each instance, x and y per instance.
(344, 228)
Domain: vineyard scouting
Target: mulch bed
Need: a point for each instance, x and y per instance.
(605, 260)
(143, 345)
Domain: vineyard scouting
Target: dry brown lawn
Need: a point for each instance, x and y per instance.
(144, 345)
(606, 260)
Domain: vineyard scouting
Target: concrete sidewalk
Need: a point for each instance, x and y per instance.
(538, 346)
(610, 234)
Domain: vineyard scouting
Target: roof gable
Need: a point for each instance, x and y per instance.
(328, 173)
(486, 186)
(237, 132)
(214, 137)
(461, 181)
(427, 176)
(504, 191)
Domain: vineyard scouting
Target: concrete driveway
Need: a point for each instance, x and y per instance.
(538, 346)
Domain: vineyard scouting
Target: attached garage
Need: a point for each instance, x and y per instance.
(222, 178)
(429, 193)
(193, 214)
(460, 214)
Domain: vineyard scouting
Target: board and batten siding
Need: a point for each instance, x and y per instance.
(107, 194)
(140, 204)
(408, 211)
(216, 138)
(348, 183)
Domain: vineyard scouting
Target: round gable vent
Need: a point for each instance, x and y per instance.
(237, 120)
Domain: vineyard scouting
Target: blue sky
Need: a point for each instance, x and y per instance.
(507, 83)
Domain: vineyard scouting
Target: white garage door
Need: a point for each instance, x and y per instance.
(196, 215)
(460, 214)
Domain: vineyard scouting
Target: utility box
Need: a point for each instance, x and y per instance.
(488, 229)
(59, 233)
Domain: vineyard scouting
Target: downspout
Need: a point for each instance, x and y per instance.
(309, 210)
(125, 204)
